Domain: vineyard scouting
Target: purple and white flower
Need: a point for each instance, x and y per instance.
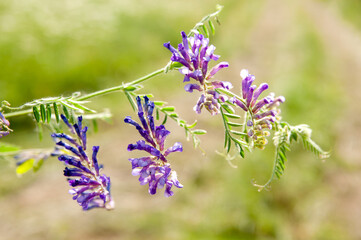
(154, 170)
(90, 188)
(262, 111)
(195, 53)
(4, 126)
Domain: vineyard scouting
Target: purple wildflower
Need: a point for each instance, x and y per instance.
(90, 188)
(4, 126)
(195, 53)
(155, 169)
(263, 111)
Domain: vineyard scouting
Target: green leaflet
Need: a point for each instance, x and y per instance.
(283, 138)
(6, 147)
(131, 100)
(25, 167)
(168, 109)
(56, 112)
(66, 112)
(36, 114)
(211, 26)
(205, 30)
(232, 124)
(199, 131)
(48, 113)
(43, 113)
(30, 164)
(228, 137)
(304, 132)
(231, 115)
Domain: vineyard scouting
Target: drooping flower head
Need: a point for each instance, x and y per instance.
(90, 188)
(262, 112)
(195, 53)
(154, 170)
(4, 126)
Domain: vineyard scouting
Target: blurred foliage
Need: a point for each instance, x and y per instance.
(350, 10)
(50, 48)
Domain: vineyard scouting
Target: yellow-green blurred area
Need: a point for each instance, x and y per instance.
(307, 50)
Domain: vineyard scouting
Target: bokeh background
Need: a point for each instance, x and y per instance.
(307, 50)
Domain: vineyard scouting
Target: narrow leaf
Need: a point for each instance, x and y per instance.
(174, 115)
(226, 136)
(234, 124)
(240, 149)
(228, 108)
(192, 125)
(229, 144)
(71, 106)
(66, 112)
(159, 103)
(37, 165)
(43, 113)
(232, 115)
(157, 114)
(168, 109)
(48, 113)
(56, 112)
(25, 167)
(130, 88)
(36, 114)
(205, 30)
(211, 26)
(165, 119)
(199, 131)
(82, 107)
(238, 133)
(95, 125)
(6, 147)
(72, 117)
(131, 101)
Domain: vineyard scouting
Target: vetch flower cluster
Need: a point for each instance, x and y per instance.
(91, 189)
(4, 126)
(195, 53)
(155, 169)
(262, 112)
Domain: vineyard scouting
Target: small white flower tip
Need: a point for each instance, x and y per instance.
(72, 191)
(244, 73)
(110, 205)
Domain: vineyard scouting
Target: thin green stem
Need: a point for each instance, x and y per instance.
(18, 113)
(261, 187)
(97, 93)
(205, 19)
(120, 87)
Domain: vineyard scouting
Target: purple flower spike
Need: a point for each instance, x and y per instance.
(262, 112)
(4, 126)
(216, 68)
(259, 90)
(240, 104)
(198, 107)
(222, 84)
(90, 188)
(276, 102)
(4, 120)
(260, 104)
(185, 40)
(190, 87)
(155, 169)
(250, 94)
(195, 54)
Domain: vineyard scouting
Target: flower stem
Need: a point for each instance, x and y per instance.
(120, 87)
(97, 93)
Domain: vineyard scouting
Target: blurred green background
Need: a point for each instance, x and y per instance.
(307, 50)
